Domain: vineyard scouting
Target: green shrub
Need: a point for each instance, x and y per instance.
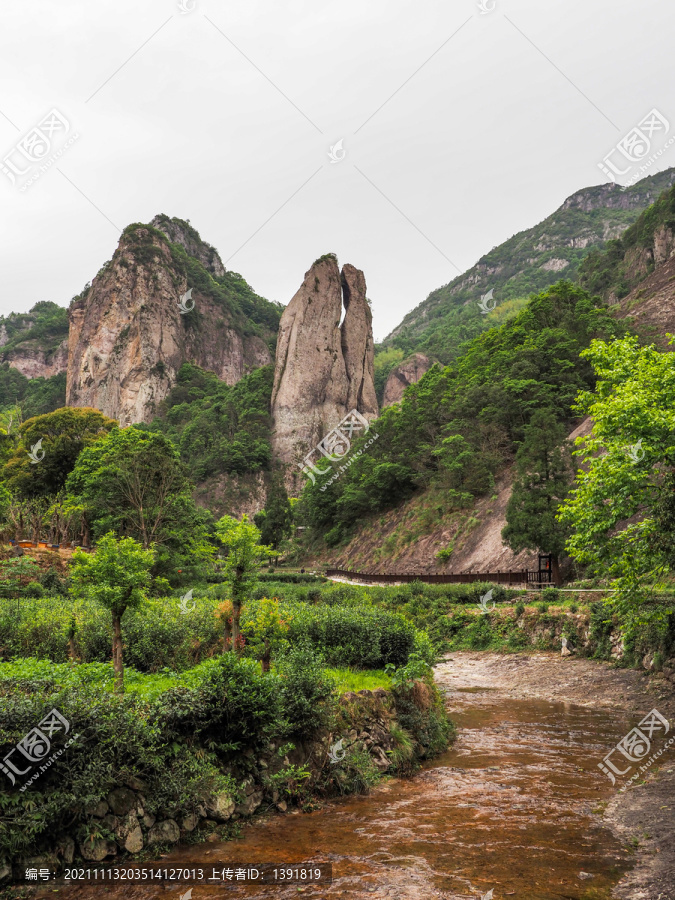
(519, 609)
(305, 690)
(551, 594)
(368, 638)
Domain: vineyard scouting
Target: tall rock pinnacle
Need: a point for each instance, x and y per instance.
(323, 369)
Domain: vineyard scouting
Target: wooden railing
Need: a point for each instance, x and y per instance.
(521, 577)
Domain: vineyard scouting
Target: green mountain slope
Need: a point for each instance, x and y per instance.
(527, 263)
(632, 257)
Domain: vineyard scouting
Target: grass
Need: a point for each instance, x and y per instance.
(351, 680)
(100, 675)
(150, 686)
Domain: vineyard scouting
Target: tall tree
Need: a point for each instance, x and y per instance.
(620, 511)
(132, 482)
(117, 576)
(275, 521)
(245, 555)
(543, 478)
(48, 447)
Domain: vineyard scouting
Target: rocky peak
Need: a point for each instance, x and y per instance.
(323, 369)
(129, 336)
(358, 350)
(180, 232)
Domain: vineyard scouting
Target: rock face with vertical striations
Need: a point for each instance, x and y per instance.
(128, 337)
(323, 369)
(358, 349)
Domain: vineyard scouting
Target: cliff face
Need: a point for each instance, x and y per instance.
(36, 362)
(128, 336)
(403, 375)
(323, 369)
(36, 343)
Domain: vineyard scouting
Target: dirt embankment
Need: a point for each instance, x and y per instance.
(644, 815)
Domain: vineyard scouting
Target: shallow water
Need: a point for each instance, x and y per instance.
(509, 808)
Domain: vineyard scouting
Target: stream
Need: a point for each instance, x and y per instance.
(514, 807)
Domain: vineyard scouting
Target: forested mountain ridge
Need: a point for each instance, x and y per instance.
(527, 263)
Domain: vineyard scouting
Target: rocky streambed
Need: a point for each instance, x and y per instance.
(518, 805)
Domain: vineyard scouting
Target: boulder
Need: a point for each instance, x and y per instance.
(97, 850)
(403, 375)
(166, 832)
(98, 810)
(248, 806)
(122, 801)
(65, 848)
(220, 807)
(129, 834)
(190, 822)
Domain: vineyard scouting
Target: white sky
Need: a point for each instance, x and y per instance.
(487, 135)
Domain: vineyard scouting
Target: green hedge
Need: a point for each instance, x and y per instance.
(345, 628)
(348, 636)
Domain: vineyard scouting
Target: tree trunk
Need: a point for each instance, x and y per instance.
(227, 637)
(236, 612)
(555, 571)
(118, 662)
(266, 658)
(71, 650)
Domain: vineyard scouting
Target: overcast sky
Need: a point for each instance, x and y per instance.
(458, 128)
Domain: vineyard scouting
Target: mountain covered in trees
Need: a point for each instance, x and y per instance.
(527, 263)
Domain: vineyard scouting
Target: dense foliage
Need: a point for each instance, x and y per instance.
(30, 396)
(219, 428)
(133, 483)
(60, 436)
(543, 477)
(458, 426)
(44, 327)
(619, 511)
